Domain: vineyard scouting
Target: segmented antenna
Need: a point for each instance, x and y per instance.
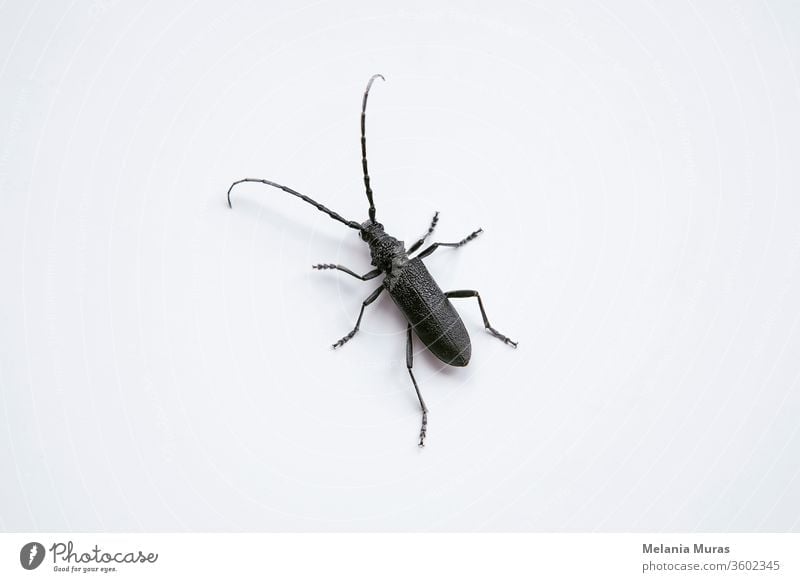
(364, 146)
(335, 215)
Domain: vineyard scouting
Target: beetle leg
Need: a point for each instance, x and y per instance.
(373, 296)
(419, 243)
(460, 243)
(493, 331)
(409, 365)
(364, 277)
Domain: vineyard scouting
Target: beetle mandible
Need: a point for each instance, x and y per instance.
(427, 308)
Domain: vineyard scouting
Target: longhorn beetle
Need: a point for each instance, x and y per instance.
(428, 310)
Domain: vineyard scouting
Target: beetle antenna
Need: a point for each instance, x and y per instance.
(364, 145)
(328, 211)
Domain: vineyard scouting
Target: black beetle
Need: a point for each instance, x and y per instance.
(428, 310)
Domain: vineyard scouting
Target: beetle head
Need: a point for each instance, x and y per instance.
(371, 231)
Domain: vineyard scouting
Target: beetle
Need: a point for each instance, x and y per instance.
(428, 310)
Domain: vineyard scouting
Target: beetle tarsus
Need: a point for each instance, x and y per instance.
(365, 277)
(345, 339)
(413, 248)
(472, 236)
(424, 430)
(500, 336)
(373, 296)
(429, 251)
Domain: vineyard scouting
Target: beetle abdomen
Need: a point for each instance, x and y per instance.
(433, 317)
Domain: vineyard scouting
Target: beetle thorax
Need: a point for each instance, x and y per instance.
(387, 252)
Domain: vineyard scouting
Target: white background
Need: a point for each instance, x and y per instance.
(165, 362)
